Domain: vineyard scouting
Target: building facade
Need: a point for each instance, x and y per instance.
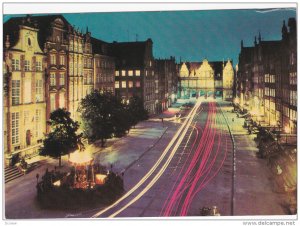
(267, 80)
(24, 86)
(134, 71)
(206, 79)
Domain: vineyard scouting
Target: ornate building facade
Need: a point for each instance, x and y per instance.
(24, 82)
(267, 80)
(206, 79)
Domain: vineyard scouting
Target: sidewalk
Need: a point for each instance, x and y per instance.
(254, 189)
(120, 153)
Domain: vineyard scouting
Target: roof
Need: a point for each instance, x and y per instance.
(129, 54)
(43, 23)
(99, 46)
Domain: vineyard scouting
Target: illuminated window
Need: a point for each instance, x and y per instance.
(52, 79)
(15, 64)
(123, 72)
(38, 90)
(117, 73)
(52, 59)
(123, 84)
(137, 84)
(62, 60)
(15, 92)
(38, 114)
(61, 100)
(137, 72)
(27, 65)
(52, 102)
(15, 123)
(130, 84)
(117, 85)
(38, 65)
(62, 79)
(130, 73)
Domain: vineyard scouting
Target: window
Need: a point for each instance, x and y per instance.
(123, 84)
(15, 92)
(62, 79)
(293, 78)
(15, 65)
(71, 68)
(117, 85)
(130, 73)
(38, 66)
(61, 100)
(27, 90)
(137, 84)
(38, 123)
(52, 59)
(62, 60)
(38, 90)
(146, 73)
(52, 79)
(123, 72)
(15, 137)
(293, 98)
(52, 102)
(137, 72)
(27, 65)
(130, 84)
(26, 117)
(117, 73)
(85, 62)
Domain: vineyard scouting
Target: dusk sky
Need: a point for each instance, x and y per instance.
(191, 35)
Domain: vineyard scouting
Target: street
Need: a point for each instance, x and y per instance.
(175, 169)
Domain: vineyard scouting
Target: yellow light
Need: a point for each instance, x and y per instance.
(287, 129)
(57, 183)
(80, 157)
(236, 100)
(100, 179)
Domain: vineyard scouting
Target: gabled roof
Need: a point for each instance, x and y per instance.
(43, 23)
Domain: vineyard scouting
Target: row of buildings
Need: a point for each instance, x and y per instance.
(266, 83)
(49, 64)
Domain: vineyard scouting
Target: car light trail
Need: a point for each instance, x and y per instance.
(184, 127)
(161, 171)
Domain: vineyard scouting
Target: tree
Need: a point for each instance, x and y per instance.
(62, 139)
(97, 111)
(136, 110)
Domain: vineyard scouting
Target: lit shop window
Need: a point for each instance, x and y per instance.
(123, 84)
(117, 85)
(130, 73)
(117, 73)
(123, 72)
(137, 72)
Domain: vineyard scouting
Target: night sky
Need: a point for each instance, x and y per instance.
(191, 35)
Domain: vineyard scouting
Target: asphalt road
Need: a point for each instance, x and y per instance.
(193, 171)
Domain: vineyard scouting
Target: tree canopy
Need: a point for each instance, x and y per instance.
(62, 139)
(105, 115)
